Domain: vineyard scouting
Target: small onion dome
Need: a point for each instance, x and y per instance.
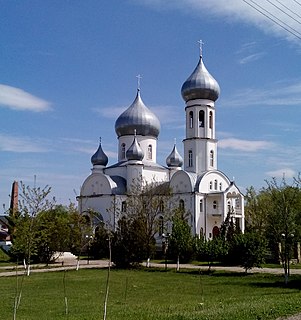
(135, 152)
(174, 159)
(99, 158)
(138, 117)
(200, 85)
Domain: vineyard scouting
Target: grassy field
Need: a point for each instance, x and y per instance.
(151, 294)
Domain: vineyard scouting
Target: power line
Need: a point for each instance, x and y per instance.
(273, 4)
(297, 34)
(271, 14)
(297, 2)
(286, 7)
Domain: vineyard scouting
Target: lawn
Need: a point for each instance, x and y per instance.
(151, 294)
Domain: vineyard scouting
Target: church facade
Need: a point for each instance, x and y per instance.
(194, 179)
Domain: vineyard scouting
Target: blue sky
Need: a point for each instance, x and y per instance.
(68, 69)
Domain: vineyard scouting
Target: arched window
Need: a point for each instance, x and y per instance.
(211, 158)
(190, 158)
(210, 185)
(161, 206)
(210, 119)
(220, 186)
(181, 205)
(201, 232)
(161, 226)
(87, 220)
(201, 205)
(201, 118)
(123, 206)
(150, 152)
(214, 204)
(215, 232)
(215, 184)
(190, 119)
(123, 151)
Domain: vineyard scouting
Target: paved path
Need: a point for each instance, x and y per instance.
(71, 264)
(68, 265)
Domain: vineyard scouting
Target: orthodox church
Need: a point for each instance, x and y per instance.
(194, 180)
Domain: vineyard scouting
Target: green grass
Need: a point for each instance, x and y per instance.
(151, 295)
(4, 257)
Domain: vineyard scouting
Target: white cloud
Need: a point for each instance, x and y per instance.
(20, 145)
(244, 145)
(168, 114)
(162, 112)
(239, 10)
(279, 94)
(280, 173)
(251, 58)
(109, 112)
(18, 99)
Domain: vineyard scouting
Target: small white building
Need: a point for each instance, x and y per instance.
(196, 183)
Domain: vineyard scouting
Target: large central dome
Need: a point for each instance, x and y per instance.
(200, 85)
(137, 117)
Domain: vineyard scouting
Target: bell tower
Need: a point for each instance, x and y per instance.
(200, 91)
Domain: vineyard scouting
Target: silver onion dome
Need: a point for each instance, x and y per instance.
(200, 85)
(174, 159)
(99, 157)
(138, 117)
(135, 152)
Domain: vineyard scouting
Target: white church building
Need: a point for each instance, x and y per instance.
(195, 181)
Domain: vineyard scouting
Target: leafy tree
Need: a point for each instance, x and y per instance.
(250, 249)
(211, 250)
(181, 240)
(284, 219)
(228, 236)
(100, 244)
(256, 211)
(81, 235)
(129, 246)
(139, 224)
(53, 233)
(33, 200)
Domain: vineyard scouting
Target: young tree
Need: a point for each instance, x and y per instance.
(25, 233)
(146, 205)
(129, 246)
(228, 236)
(284, 218)
(181, 240)
(53, 229)
(100, 243)
(81, 231)
(256, 210)
(251, 250)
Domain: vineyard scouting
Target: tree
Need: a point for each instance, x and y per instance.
(129, 246)
(138, 225)
(228, 236)
(284, 218)
(256, 210)
(181, 240)
(81, 231)
(24, 225)
(53, 233)
(100, 244)
(250, 249)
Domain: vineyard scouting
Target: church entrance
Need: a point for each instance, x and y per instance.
(215, 232)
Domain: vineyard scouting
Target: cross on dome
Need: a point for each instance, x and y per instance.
(138, 81)
(201, 43)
